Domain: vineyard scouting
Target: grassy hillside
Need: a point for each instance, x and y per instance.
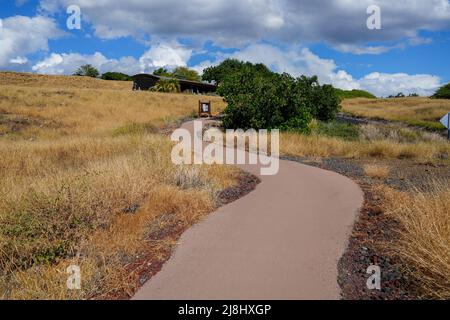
(47, 113)
(352, 94)
(85, 177)
(423, 112)
(63, 82)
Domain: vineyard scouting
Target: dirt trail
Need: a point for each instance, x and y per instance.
(281, 241)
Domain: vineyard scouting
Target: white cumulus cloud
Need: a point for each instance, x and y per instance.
(68, 63)
(162, 55)
(236, 23)
(301, 61)
(295, 61)
(383, 84)
(22, 35)
(19, 60)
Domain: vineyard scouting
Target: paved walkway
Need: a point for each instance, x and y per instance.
(281, 241)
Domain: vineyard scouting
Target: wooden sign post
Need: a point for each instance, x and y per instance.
(204, 109)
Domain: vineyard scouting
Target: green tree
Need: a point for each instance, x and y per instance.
(443, 92)
(262, 101)
(220, 72)
(118, 76)
(87, 70)
(322, 101)
(162, 72)
(166, 85)
(229, 66)
(185, 74)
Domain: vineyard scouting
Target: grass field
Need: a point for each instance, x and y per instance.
(366, 142)
(60, 82)
(85, 177)
(47, 113)
(422, 112)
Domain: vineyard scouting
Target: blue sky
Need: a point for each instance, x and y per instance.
(328, 38)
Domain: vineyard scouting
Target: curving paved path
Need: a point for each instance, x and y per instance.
(281, 241)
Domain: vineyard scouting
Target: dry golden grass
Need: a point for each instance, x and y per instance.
(415, 111)
(293, 144)
(61, 82)
(84, 178)
(376, 171)
(54, 113)
(424, 236)
(378, 141)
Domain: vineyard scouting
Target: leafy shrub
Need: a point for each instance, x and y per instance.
(443, 92)
(181, 73)
(322, 101)
(185, 74)
(117, 76)
(351, 94)
(260, 99)
(263, 101)
(218, 73)
(166, 85)
(87, 70)
(161, 72)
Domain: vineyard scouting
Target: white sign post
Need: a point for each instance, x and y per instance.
(446, 122)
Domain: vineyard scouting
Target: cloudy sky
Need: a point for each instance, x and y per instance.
(329, 38)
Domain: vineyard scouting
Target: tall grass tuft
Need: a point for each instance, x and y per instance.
(424, 236)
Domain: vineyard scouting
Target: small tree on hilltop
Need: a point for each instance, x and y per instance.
(163, 72)
(87, 70)
(117, 76)
(185, 74)
(443, 92)
(229, 66)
